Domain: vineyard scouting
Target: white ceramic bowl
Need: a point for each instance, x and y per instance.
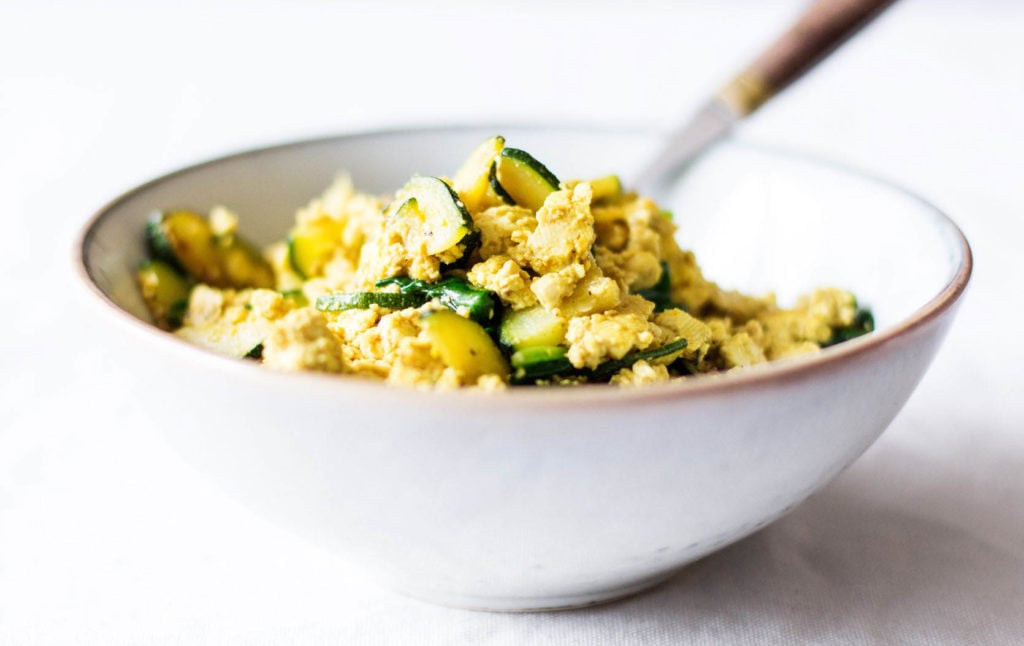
(547, 498)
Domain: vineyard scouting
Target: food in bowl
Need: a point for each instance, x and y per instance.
(544, 497)
(500, 275)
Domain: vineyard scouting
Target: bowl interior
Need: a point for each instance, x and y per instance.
(759, 220)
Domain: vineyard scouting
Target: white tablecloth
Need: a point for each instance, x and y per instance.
(106, 538)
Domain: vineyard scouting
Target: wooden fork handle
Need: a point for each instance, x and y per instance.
(823, 27)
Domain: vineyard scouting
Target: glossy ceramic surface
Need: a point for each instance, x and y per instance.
(548, 498)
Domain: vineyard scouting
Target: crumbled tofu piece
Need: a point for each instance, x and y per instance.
(204, 305)
(232, 322)
(505, 230)
(551, 289)
(223, 221)
(564, 233)
(416, 364)
(387, 255)
(640, 373)
(302, 341)
(503, 276)
(741, 350)
(635, 269)
(678, 324)
(593, 293)
(598, 337)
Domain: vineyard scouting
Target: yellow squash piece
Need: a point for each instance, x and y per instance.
(242, 264)
(608, 187)
(464, 345)
(312, 244)
(431, 214)
(527, 181)
(471, 181)
(165, 292)
(188, 238)
(534, 326)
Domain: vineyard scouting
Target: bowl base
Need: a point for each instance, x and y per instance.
(539, 603)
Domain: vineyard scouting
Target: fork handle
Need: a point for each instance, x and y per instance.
(824, 26)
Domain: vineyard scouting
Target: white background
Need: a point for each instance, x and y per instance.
(105, 538)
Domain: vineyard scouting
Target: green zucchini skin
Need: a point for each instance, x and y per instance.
(531, 365)
(165, 291)
(529, 161)
(157, 244)
(661, 292)
(455, 293)
(863, 322)
(527, 181)
(607, 370)
(492, 178)
(256, 353)
(459, 296)
(340, 301)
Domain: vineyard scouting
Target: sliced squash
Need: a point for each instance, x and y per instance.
(165, 292)
(184, 239)
(606, 188)
(464, 345)
(532, 327)
(242, 264)
(472, 180)
(432, 214)
(312, 244)
(339, 301)
(527, 181)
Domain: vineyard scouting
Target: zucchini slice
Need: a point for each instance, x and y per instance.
(539, 362)
(338, 301)
(433, 215)
(165, 292)
(455, 293)
(185, 240)
(472, 180)
(863, 322)
(543, 362)
(464, 299)
(527, 181)
(238, 340)
(607, 370)
(464, 345)
(608, 187)
(660, 293)
(311, 245)
(296, 297)
(243, 265)
(532, 327)
(492, 180)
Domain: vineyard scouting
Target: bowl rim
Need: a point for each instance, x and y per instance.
(591, 395)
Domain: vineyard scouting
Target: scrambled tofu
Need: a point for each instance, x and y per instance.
(535, 282)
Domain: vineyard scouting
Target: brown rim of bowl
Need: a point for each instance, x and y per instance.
(591, 394)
